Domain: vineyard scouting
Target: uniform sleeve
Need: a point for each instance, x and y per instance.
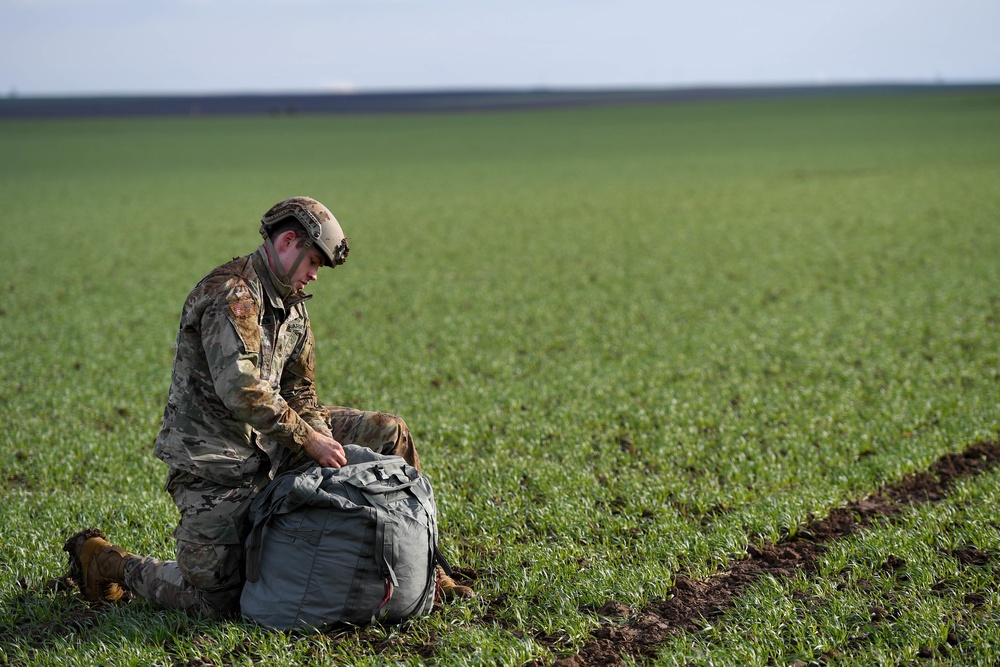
(298, 386)
(231, 339)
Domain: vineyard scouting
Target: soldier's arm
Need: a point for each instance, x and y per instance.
(298, 386)
(231, 339)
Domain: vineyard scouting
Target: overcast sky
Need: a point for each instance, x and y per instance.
(198, 46)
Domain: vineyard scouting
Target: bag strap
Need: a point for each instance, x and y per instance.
(386, 544)
(424, 497)
(440, 560)
(386, 547)
(386, 552)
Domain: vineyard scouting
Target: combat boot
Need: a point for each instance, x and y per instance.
(448, 587)
(98, 565)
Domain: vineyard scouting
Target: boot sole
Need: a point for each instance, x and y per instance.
(73, 546)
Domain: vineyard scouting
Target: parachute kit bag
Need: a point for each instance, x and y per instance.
(351, 545)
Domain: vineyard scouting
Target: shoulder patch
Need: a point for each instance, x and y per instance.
(243, 308)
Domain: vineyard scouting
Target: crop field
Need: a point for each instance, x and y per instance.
(695, 384)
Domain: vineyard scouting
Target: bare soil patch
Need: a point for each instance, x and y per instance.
(692, 603)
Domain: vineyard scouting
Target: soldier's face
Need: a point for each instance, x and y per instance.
(288, 252)
(307, 269)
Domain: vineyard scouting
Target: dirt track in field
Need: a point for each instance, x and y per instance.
(692, 603)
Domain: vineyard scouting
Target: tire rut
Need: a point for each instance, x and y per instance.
(692, 603)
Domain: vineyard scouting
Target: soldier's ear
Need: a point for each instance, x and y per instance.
(285, 239)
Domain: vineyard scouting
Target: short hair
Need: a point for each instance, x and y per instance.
(289, 223)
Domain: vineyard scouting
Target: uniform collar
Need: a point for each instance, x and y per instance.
(272, 284)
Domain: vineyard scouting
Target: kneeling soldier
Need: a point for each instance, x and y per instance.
(242, 407)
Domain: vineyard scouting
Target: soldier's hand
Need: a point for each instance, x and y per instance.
(325, 451)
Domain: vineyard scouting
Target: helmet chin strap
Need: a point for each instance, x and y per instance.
(298, 260)
(284, 278)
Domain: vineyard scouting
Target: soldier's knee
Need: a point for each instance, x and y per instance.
(221, 605)
(399, 421)
(215, 571)
(387, 419)
(398, 440)
(210, 567)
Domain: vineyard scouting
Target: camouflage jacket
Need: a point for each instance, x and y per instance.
(242, 382)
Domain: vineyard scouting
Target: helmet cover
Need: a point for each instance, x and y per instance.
(321, 227)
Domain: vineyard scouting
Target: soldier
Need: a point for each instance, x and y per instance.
(242, 406)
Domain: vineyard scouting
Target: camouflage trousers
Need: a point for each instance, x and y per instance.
(208, 573)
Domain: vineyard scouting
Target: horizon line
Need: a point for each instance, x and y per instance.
(349, 91)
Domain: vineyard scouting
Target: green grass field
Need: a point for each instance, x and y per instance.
(630, 343)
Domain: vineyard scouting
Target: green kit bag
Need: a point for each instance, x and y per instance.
(350, 545)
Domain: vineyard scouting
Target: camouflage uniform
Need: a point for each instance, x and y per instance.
(241, 403)
(242, 383)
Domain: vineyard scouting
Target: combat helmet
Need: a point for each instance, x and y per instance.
(322, 228)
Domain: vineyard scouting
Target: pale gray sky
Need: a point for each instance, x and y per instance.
(201, 46)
